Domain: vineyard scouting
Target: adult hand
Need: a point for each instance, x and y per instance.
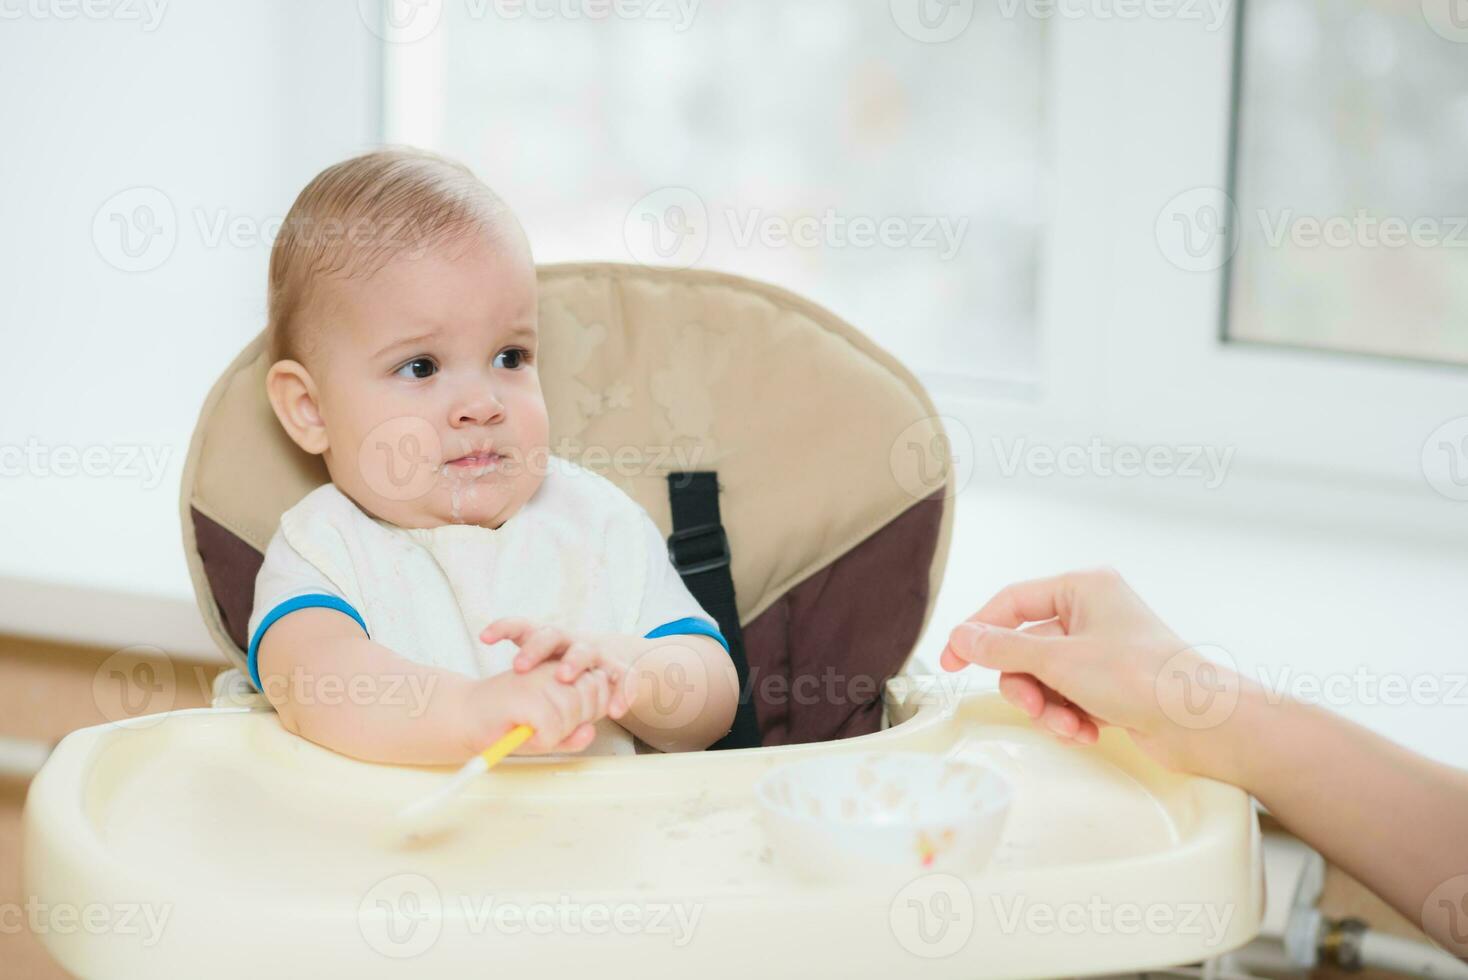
(1081, 650)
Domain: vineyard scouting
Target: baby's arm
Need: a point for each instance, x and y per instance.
(334, 686)
(683, 688)
(686, 689)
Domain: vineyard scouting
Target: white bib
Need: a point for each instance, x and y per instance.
(576, 555)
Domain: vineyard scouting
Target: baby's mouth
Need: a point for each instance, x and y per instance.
(474, 462)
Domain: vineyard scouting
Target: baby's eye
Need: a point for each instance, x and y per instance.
(418, 368)
(516, 357)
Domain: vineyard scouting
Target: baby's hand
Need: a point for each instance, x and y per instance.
(563, 715)
(539, 643)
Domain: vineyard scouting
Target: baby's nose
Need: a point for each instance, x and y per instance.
(481, 408)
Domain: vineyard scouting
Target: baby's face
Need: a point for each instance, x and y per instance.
(428, 386)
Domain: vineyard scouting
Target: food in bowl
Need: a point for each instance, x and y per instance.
(850, 816)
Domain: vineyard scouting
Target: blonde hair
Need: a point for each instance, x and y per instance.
(355, 216)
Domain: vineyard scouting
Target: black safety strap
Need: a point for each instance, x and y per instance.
(699, 549)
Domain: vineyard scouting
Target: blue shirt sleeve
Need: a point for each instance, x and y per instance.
(316, 600)
(688, 625)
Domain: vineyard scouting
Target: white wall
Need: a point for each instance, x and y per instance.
(226, 110)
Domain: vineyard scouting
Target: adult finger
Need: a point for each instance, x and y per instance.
(1011, 651)
(1060, 717)
(950, 659)
(1024, 692)
(1024, 602)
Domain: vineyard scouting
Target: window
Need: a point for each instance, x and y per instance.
(1352, 197)
(880, 165)
(1079, 146)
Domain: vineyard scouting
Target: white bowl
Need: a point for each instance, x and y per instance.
(854, 816)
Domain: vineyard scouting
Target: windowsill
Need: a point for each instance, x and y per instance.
(96, 616)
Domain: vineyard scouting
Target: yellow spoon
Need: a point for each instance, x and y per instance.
(416, 813)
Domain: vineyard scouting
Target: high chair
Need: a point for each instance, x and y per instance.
(799, 471)
(802, 476)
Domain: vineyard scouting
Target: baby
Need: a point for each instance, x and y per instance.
(453, 579)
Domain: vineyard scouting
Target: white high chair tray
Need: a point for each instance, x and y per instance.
(214, 841)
